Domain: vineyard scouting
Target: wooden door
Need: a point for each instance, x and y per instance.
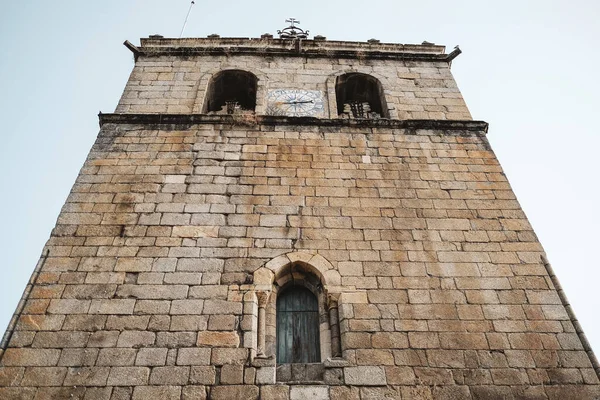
(298, 326)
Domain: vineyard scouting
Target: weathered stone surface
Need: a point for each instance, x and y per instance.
(193, 393)
(309, 393)
(30, 357)
(203, 375)
(44, 376)
(151, 357)
(193, 356)
(183, 225)
(91, 376)
(169, 375)
(218, 339)
(368, 376)
(128, 376)
(156, 392)
(235, 392)
(232, 374)
(275, 392)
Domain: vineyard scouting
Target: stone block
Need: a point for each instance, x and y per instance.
(193, 393)
(434, 376)
(130, 264)
(505, 376)
(221, 323)
(156, 392)
(160, 292)
(466, 341)
(30, 357)
(382, 296)
(11, 376)
(265, 375)
(40, 322)
(44, 376)
(127, 322)
(116, 357)
(193, 356)
(173, 340)
(151, 357)
(274, 392)
(69, 306)
(186, 307)
(344, 393)
(101, 393)
(152, 307)
(103, 339)
(525, 341)
(218, 339)
(365, 376)
(188, 323)
(423, 340)
(170, 375)
(128, 376)
(86, 376)
(451, 392)
(400, 375)
(50, 393)
(246, 392)
(61, 339)
(390, 340)
(222, 356)
(519, 359)
(136, 339)
(14, 393)
(232, 374)
(113, 306)
(83, 322)
(203, 375)
(374, 357)
(309, 393)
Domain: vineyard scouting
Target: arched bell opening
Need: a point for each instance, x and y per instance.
(360, 96)
(231, 92)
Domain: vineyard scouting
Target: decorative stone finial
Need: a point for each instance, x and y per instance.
(292, 31)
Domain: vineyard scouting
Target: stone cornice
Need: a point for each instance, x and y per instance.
(270, 52)
(451, 127)
(290, 48)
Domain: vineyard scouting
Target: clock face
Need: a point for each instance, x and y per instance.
(295, 103)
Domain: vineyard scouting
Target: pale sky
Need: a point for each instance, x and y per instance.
(528, 68)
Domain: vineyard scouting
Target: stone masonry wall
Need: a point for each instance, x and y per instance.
(413, 89)
(142, 294)
(160, 278)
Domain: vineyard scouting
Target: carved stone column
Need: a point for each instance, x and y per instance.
(263, 299)
(334, 324)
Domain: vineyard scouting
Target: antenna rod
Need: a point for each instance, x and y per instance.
(186, 19)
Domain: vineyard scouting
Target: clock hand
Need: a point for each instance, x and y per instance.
(299, 102)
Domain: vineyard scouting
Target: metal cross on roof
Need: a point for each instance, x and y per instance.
(292, 31)
(292, 21)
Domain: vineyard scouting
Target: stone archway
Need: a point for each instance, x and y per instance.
(307, 269)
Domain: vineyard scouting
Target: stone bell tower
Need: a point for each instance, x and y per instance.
(293, 218)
